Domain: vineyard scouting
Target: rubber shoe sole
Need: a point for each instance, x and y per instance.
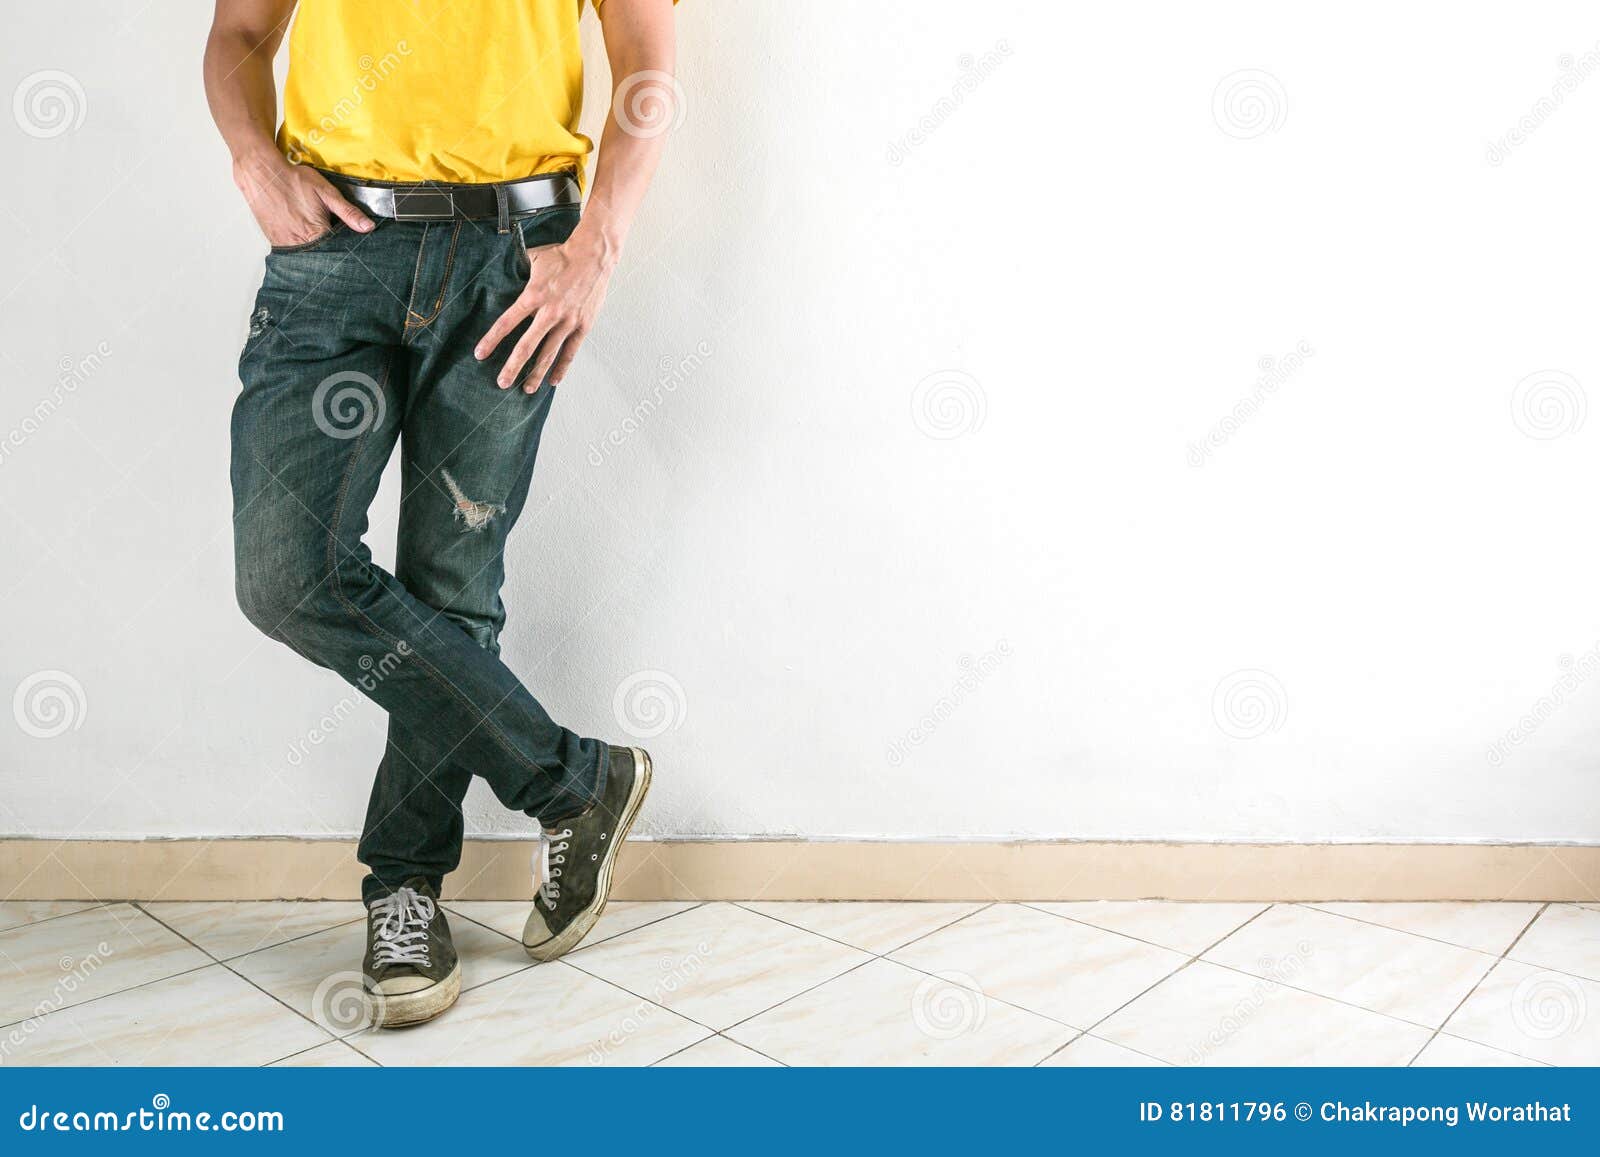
(585, 920)
(406, 1008)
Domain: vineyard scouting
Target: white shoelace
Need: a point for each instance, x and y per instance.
(402, 929)
(549, 873)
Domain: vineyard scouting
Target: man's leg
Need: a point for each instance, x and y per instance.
(414, 824)
(325, 376)
(468, 452)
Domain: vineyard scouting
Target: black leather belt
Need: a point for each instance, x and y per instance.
(431, 201)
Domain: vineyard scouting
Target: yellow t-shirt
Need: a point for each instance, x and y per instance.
(435, 90)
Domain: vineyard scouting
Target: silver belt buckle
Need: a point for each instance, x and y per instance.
(424, 204)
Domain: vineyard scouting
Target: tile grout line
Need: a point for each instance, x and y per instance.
(594, 944)
(885, 958)
(89, 906)
(130, 988)
(1336, 999)
(1477, 984)
(226, 963)
(1034, 905)
(758, 1052)
(871, 956)
(325, 1044)
(235, 972)
(744, 905)
(533, 965)
(1090, 1030)
(1422, 935)
(684, 1049)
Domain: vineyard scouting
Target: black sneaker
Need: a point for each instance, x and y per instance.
(578, 860)
(411, 967)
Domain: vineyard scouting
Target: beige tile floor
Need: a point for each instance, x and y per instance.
(1080, 984)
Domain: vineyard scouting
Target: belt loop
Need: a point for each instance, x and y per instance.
(502, 208)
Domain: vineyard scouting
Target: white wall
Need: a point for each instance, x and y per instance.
(1384, 541)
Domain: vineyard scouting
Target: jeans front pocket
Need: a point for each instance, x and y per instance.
(334, 229)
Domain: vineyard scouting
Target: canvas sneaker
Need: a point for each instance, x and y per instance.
(412, 970)
(578, 858)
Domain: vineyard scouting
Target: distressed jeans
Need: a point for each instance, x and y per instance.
(357, 342)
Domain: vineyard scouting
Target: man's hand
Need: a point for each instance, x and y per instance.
(566, 286)
(567, 282)
(293, 205)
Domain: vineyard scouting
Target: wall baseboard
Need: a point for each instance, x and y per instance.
(270, 869)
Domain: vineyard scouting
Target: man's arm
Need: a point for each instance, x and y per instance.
(292, 204)
(567, 282)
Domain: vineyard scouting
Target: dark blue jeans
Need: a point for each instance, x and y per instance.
(357, 342)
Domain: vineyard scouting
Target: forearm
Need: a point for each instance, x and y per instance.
(243, 97)
(640, 47)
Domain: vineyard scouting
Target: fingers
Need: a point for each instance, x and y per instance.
(569, 351)
(504, 324)
(525, 348)
(554, 342)
(344, 210)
